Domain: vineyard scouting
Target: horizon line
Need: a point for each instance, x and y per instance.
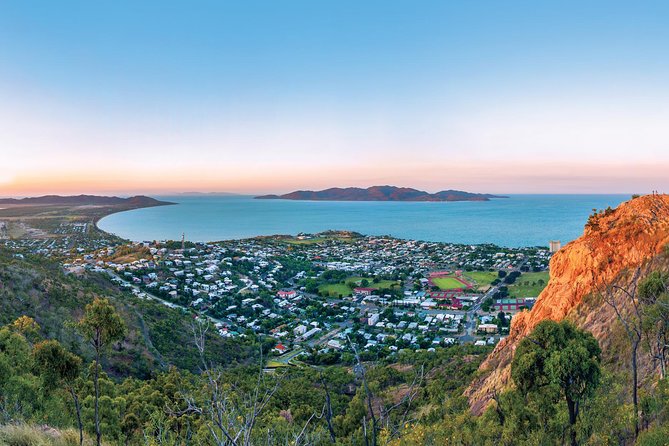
(244, 194)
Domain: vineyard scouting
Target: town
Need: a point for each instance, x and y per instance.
(321, 297)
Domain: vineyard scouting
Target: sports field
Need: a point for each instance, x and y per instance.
(448, 283)
(482, 278)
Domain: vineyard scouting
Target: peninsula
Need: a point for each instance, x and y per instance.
(138, 201)
(71, 220)
(380, 193)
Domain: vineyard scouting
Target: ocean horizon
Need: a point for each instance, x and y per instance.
(517, 221)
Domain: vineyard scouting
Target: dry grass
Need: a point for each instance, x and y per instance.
(30, 435)
(402, 368)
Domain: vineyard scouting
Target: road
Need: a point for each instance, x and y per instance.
(286, 358)
(163, 301)
(470, 326)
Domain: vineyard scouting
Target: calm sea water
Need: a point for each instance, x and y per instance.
(521, 220)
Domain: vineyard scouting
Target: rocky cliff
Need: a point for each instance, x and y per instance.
(614, 241)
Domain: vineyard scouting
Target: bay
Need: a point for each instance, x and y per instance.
(520, 220)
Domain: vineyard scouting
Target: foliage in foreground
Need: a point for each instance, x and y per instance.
(415, 400)
(42, 382)
(561, 393)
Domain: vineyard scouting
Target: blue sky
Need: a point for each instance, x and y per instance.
(481, 95)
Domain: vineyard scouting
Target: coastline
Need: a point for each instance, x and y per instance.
(520, 221)
(47, 220)
(97, 219)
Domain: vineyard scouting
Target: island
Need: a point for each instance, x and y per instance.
(380, 193)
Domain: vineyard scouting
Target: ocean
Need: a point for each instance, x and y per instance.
(520, 220)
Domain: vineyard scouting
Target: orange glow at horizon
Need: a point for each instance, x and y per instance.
(556, 146)
(497, 178)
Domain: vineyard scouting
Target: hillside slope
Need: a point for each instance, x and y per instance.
(614, 241)
(157, 335)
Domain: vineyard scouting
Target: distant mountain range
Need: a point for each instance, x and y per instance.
(380, 193)
(85, 200)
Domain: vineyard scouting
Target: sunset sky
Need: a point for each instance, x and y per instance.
(253, 97)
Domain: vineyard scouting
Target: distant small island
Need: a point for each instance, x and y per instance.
(380, 193)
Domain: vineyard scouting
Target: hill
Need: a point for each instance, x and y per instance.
(85, 200)
(380, 193)
(158, 336)
(614, 244)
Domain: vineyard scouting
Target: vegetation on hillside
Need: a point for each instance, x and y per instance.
(157, 336)
(44, 383)
(165, 378)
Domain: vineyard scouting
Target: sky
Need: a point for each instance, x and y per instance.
(125, 97)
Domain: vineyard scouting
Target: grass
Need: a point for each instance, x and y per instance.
(334, 289)
(310, 241)
(527, 285)
(27, 435)
(482, 278)
(128, 254)
(448, 283)
(346, 288)
(384, 285)
(318, 239)
(275, 364)
(353, 282)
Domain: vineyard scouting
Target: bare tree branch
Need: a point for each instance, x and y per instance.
(368, 394)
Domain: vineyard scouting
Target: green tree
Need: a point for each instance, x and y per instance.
(19, 389)
(101, 326)
(501, 317)
(26, 326)
(655, 298)
(59, 367)
(557, 355)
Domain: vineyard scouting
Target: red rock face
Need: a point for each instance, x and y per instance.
(613, 241)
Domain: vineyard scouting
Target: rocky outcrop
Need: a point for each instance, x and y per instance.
(613, 241)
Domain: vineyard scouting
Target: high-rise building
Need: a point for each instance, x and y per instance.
(554, 245)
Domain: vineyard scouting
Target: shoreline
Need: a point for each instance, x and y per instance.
(44, 220)
(96, 220)
(522, 221)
